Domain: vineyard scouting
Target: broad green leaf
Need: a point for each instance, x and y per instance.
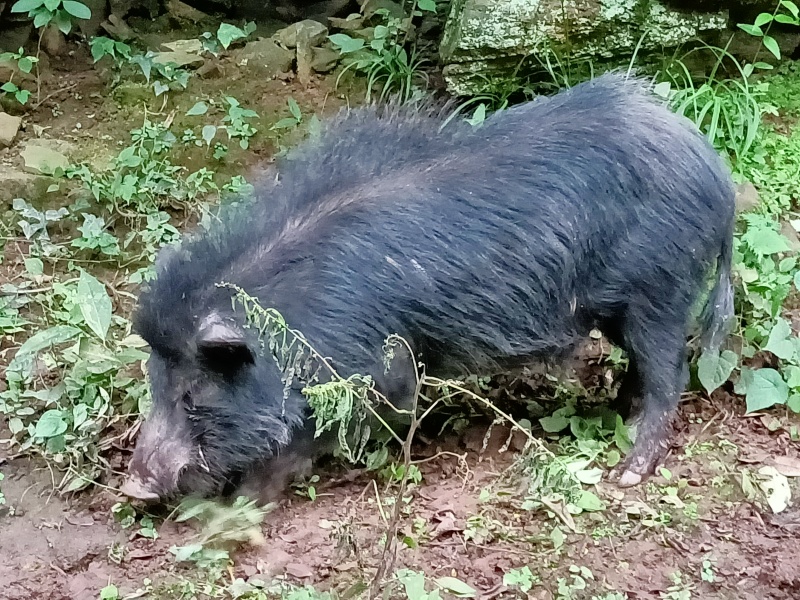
(294, 108)
(429, 5)
(456, 587)
(208, 134)
(751, 29)
(590, 476)
(590, 502)
(786, 19)
(25, 64)
(780, 340)
(791, 7)
(762, 19)
(79, 415)
(554, 424)
(714, 368)
(772, 45)
(26, 5)
(15, 425)
(794, 403)
(612, 458)
(557, 537)
(34, 266)
(23, 360)
(345, 43)
(95, 304)
(200, 108)
(77, 9)
(767, 388)
(765, 241)
(227, 34)
(51, 424)
(621, 436)
(184, 553)
(159, 88)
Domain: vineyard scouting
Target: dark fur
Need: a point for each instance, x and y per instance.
(484, 248)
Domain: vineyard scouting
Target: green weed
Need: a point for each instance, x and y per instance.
(61, 13)
(25, 64)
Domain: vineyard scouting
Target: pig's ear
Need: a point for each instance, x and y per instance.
(222, 345)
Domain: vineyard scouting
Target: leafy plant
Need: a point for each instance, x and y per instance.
(385, 59)
(25, 64)
(64, 415)
(59, 12)
(225, 36)
(786, 13)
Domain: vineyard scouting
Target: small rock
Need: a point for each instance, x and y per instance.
(194, 46)
(314, 32)
(264, 57)
(118, 28)
(9, 127)
(53, 41)
(18, 184)
(184, 11)
(305, 55)
(210, 70)
(324, 59)
(369, 7)
(790, 234)
(746, 197)
(42, 158)
(347, 24)
(180, 58)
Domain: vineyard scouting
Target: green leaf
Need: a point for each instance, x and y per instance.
(159, 88)
(110, 592)
(42, 18)
(589, 502)
(208, 134)
(794, 403)
(23, 359)
(429, 5)
(772, 45)
(51, 424)
(762, 19)
(557, 537)
(345, 44)
(791, 7)
(786, 19)
(554, 424)
(200, 108)
(766, 389)
(714, 369)
(95, 304)
(227, 34)
(294, 109)
(63, 22)
(589, 476)
(77, 9)
(780, 340)
(26, 5)
(456, 587)
(184, 553)
(765, 241)
(621, 436)
(79, 414)
(52, 5)
(751, 29)
(25, 64)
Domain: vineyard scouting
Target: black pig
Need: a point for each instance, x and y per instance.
(486, 248)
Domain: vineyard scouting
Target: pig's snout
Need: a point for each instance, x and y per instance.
(160, 457)
(137, 489)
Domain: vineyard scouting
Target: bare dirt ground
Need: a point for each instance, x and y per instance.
(722, 543)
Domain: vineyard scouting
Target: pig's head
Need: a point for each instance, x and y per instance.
(218, 406)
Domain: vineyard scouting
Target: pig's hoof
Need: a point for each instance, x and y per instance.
(629, 479)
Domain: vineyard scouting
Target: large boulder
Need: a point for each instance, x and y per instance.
(483, 38)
